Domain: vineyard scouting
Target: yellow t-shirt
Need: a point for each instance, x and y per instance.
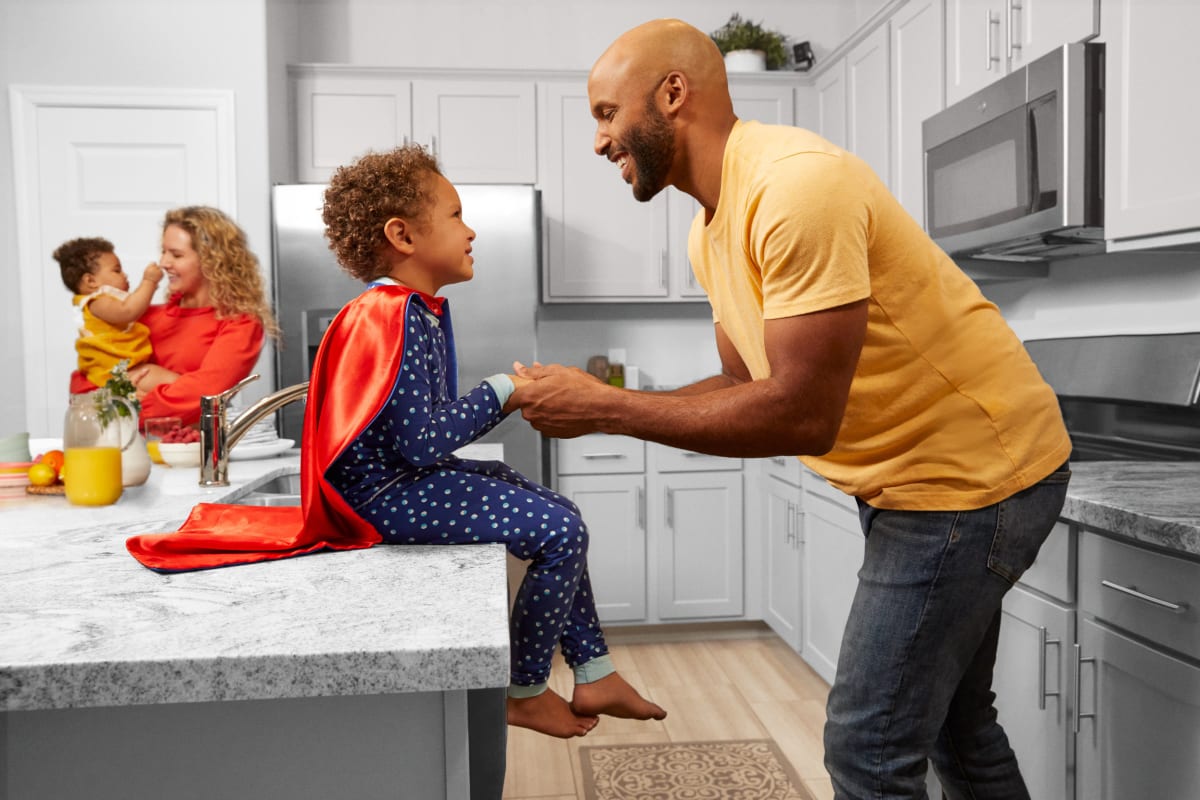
(946, 409)
(100, 345)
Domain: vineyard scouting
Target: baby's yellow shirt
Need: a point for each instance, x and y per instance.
(946, 409)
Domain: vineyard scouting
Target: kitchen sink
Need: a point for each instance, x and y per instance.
(281, 490)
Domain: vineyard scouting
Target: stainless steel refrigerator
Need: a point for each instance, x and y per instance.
(494, 313)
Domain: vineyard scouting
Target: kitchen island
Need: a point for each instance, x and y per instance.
(340, 674)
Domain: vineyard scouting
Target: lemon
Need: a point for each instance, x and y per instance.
(42, 475)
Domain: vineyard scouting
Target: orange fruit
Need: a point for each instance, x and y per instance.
(54, 458)
(41, 474)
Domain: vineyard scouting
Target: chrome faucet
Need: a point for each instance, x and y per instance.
(217, 436)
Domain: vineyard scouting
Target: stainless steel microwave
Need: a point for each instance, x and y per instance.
(1015, 171)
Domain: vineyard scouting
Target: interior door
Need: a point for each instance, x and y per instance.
(98, 166)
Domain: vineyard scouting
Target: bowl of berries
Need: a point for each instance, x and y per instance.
(180, 447)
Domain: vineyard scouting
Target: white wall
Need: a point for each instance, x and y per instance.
(1123, 293)
(216, 44)
(534, 34)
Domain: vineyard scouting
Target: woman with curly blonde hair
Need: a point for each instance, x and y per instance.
(209, 333)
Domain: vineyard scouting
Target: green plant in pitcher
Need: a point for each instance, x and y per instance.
(118, 385)
(744, 34)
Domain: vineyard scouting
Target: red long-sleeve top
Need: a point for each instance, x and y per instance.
(209, 353)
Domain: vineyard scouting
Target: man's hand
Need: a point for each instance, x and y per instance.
(559, 401)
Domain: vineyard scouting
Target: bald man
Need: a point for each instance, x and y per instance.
(848, 338)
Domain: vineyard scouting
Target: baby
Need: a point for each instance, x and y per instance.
(106, 311)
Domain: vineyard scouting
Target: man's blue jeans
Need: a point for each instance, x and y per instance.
(915, 671)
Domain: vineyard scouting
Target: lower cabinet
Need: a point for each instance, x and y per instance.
(1032, 681)
(1102, 699)
(833, 546)
(782, 522)
(665, 524)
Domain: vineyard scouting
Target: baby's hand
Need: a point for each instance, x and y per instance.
(153, 273)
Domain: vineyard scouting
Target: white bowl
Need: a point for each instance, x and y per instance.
(180, 455)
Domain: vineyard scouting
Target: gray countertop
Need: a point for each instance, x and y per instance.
(1147, 502)
(83, 624)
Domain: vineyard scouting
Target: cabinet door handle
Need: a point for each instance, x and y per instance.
(1042, 693)
(663, 266)
(603, 455)
(988, 46)
(779, 461)
(670, 498)
(790, 538)
(641, 508)
(798, 515)
(1132, 591)
(1079, 662)
(433, 140)
(1013, 7)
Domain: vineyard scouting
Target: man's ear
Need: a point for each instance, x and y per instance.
(672, 93)
(399, 235)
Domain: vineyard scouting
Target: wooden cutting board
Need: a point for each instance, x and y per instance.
(57, 488)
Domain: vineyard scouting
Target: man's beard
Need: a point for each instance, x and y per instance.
(652, 148)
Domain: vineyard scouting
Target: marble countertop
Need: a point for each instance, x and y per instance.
(1146, 502)
(83, 624)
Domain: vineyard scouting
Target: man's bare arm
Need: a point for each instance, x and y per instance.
(797, 410)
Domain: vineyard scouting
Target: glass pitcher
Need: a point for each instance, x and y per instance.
(93, 439)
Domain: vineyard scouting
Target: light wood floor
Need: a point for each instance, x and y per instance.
(740, 684)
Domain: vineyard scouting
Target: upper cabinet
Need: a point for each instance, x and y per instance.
(873, 99)
(918, 86)
(601, 244)
(482, 130)
(1151, 171)
(986, 39)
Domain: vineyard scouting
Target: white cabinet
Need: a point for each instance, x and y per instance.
(601, 244)
(868, 102)
(830, 89)
(834, 547)
(986, 39)
(614, 508)
(873, 100)
(666, 528)
(1032, 680)
(481, 129)
(1137, 699)
(918, 85)
(694, 504)
(604, 476)
(782, 527)
(1151, 171)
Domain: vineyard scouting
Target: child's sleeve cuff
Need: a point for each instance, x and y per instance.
(502, 385)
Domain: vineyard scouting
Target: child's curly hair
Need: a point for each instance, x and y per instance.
(226, 263)
(363, 196)
(80, 257)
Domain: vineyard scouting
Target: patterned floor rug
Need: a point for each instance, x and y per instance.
(751, 769)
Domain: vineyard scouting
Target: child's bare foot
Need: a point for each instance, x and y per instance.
(613, 696)
(549, 714)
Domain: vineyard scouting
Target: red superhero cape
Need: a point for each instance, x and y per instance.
(362, 350)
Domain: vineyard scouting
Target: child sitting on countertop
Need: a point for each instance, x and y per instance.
(383, 420)
(107, 312)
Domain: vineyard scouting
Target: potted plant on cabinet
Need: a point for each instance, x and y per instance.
(747, 46)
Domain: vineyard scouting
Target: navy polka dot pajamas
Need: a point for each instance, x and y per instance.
(400, 475)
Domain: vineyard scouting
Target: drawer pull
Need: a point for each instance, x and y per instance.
(1132, 591)
(1042, 693)
(1079, 662)
(779, 461)
(604, 455)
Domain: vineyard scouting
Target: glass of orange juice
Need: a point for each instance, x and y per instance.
(92, 475)
(156, 428)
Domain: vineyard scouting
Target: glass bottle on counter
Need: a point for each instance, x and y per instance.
(93, 440)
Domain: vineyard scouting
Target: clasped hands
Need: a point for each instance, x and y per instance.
(558, 401)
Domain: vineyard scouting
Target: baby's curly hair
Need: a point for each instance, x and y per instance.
(80, 257)
(363, 196)
(226, 262)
